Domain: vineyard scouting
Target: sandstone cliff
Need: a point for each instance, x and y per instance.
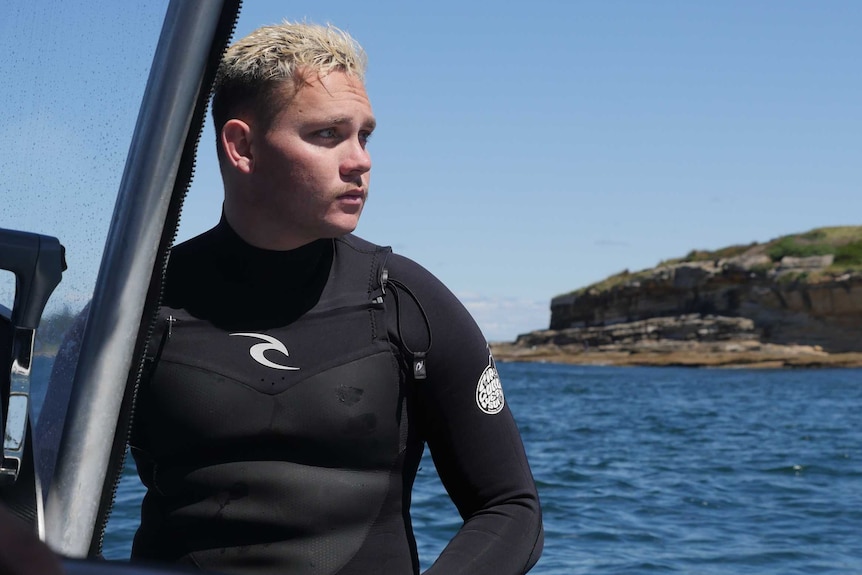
(795, 296)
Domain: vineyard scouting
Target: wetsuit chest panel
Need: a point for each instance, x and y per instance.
(347, 416)
(274, 360)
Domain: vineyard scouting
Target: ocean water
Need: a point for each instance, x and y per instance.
(654, 470)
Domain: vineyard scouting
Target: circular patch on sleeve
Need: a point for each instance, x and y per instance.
(489, 391)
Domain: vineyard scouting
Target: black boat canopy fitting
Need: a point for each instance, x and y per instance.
(38, 263)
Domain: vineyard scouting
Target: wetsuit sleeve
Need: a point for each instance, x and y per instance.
(472, 435)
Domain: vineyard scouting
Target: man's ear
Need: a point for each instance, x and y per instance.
(236, 145)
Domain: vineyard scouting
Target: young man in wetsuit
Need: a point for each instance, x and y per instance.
(298, 370)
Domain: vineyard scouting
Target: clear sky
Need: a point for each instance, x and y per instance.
(527, 149)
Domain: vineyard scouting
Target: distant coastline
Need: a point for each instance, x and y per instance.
(767, 357)
(792, 302)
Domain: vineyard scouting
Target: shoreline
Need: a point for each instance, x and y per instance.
(774, 357)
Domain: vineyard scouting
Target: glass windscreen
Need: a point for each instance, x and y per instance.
(73, 75)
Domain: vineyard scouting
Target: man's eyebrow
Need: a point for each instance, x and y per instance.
(369, 124)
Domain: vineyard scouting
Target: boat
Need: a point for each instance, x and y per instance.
(61, 475)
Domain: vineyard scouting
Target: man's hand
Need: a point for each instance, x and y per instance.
(21, 551)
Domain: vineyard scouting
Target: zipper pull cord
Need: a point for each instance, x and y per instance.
(420, 368)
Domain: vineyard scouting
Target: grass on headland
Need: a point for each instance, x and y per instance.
(842, 242)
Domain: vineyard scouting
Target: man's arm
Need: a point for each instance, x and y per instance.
(474, 441)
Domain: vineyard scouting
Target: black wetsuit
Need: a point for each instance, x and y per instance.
(284, 420)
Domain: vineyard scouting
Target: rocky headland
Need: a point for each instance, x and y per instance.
(795, 301)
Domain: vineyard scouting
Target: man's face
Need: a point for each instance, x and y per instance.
(311, 166)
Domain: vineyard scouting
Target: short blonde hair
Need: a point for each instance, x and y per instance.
(273, 62)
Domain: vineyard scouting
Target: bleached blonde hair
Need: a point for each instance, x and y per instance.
(263, 70)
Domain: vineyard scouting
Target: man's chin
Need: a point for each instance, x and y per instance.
(338, 231)
(344, 225)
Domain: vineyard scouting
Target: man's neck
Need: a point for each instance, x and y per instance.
(258, 232)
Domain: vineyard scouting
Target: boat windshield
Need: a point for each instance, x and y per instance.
(73, 75)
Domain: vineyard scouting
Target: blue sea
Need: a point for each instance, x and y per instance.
(663, 470)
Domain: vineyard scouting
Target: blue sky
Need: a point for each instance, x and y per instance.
(524, 150)
(528, 149)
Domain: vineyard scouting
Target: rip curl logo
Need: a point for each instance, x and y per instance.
(257, 351)
(489, 391)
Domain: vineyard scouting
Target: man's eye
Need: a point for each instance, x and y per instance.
(327, 133)
(364, 137)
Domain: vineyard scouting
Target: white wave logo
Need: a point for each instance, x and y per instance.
(489, 391)
(257, 351)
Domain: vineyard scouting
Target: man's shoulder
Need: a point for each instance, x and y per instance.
(190, 266)
(193, 246)
(397, 266)
(358, 244)
(394, 262)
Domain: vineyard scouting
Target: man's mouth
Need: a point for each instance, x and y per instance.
(353, 196)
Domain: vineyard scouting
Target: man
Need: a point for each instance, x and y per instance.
(298, 370)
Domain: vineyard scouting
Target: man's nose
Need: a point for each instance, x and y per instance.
(356, 160)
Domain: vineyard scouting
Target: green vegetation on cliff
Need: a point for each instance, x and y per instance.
(844, 243)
